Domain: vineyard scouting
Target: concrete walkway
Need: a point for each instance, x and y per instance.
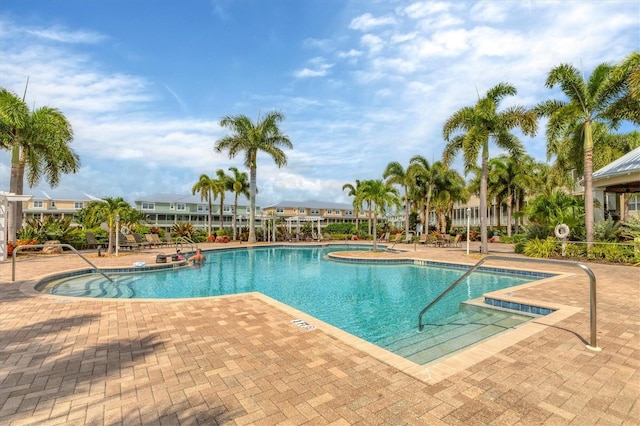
(240, 360)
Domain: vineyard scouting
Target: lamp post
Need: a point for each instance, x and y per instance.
(117, 233)
(468, 224)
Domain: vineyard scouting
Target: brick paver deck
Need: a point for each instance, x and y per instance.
(240, 360)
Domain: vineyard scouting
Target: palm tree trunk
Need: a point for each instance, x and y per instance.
(509, 202)
(375, 234)
(406, 214)
(252, 204)
(209, 216)
(15, 208)
(484, 246)
(235, 217)
(221, 207)
(588, 184)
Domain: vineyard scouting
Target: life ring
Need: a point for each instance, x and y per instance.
(562, 231)
(124, 230)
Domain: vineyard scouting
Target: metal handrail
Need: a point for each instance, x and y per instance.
(189, 241)
(592, 290)
(19, 248)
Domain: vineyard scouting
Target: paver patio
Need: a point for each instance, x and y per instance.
(240, 360)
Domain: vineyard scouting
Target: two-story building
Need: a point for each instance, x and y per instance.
(320, 213)
(165, 210)
(59, 205)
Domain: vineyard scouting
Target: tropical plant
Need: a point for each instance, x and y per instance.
(354, 191)
(558, 208)
(205, 186)
(449, 188)
(570, 127)
(541, 248)
(606, 230)
(240, 186)
(222, 184)
(251, 138)
(423, 177)
(183, 229)
(380, 196)
(470, 129)
(395, 174)
(39, 142)
(109, 209)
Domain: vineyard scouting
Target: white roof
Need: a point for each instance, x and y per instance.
(630, 162)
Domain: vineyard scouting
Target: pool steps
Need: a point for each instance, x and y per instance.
(472, 324)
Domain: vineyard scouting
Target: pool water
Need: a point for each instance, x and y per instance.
(373, 301)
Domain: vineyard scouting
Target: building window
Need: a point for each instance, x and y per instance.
(348, 213)
(38, 205)
(53, 204)
(634, 203)
(302, 210)
(329, 211)
(315, 211)
(148, 206)
(78, 205)
(181, 206)
(227, 209)
(203, 208)
(279, 209)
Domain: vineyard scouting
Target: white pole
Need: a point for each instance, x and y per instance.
(468, 223)
(117, 233)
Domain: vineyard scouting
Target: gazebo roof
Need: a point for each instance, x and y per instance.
(621, 175)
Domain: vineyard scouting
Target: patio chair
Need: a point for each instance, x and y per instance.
(131, 241)
(92, 241)
(424, 239)
(154, 240)
(141, 242)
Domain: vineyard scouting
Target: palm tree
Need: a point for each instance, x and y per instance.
(205, 186)
(422, 175)
(396, 174)
(571, 122)
(240, 186)
(221, 185)
(449, 188)
(354, 191)
(39, 142)
(107, 210)
(625, 87)
(251, 138)
(475, 126)
(381, 196)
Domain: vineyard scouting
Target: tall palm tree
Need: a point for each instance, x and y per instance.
(396, 174)
(571, 121)
(240, 186)
(422, 175)
(625, 86)
(221, 186)
(354, 191)
(39, 142)
(380, 196)
(470, 129)
(205, 186)
(107, 210)
(449, 188)
(252, 138)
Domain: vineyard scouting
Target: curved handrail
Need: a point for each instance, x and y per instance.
(592, 290)
(189, 241)
(17, 249)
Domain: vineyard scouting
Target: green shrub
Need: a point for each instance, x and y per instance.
(613, 253)
(519, 247)
(340, 228)
(537, 232)
(541, 248)
(576, 250)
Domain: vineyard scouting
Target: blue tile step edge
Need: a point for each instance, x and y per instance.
(519, 307)
(120, 270)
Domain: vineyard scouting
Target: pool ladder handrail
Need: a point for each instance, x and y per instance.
(593, 345)
(189, 241)
(19, 248)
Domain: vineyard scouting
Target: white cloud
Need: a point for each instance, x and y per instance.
(318, 68)
(422, 9)
(367, 22)
(63, 35)
(489, 11)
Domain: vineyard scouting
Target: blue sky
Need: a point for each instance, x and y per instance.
(361, 83)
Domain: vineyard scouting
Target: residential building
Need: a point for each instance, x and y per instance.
(59, 205)
(322, 212)
(165, 210)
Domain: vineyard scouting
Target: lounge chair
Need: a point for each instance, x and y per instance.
(141, 242)
(443, 240)
(424, 239)
(154, 240)
(396, 239)
(409, 238)
(92, 241)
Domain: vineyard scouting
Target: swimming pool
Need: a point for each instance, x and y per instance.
(373, 301)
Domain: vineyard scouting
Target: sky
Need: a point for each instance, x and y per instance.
(361, 83)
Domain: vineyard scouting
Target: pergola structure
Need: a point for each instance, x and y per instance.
(5, 199)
